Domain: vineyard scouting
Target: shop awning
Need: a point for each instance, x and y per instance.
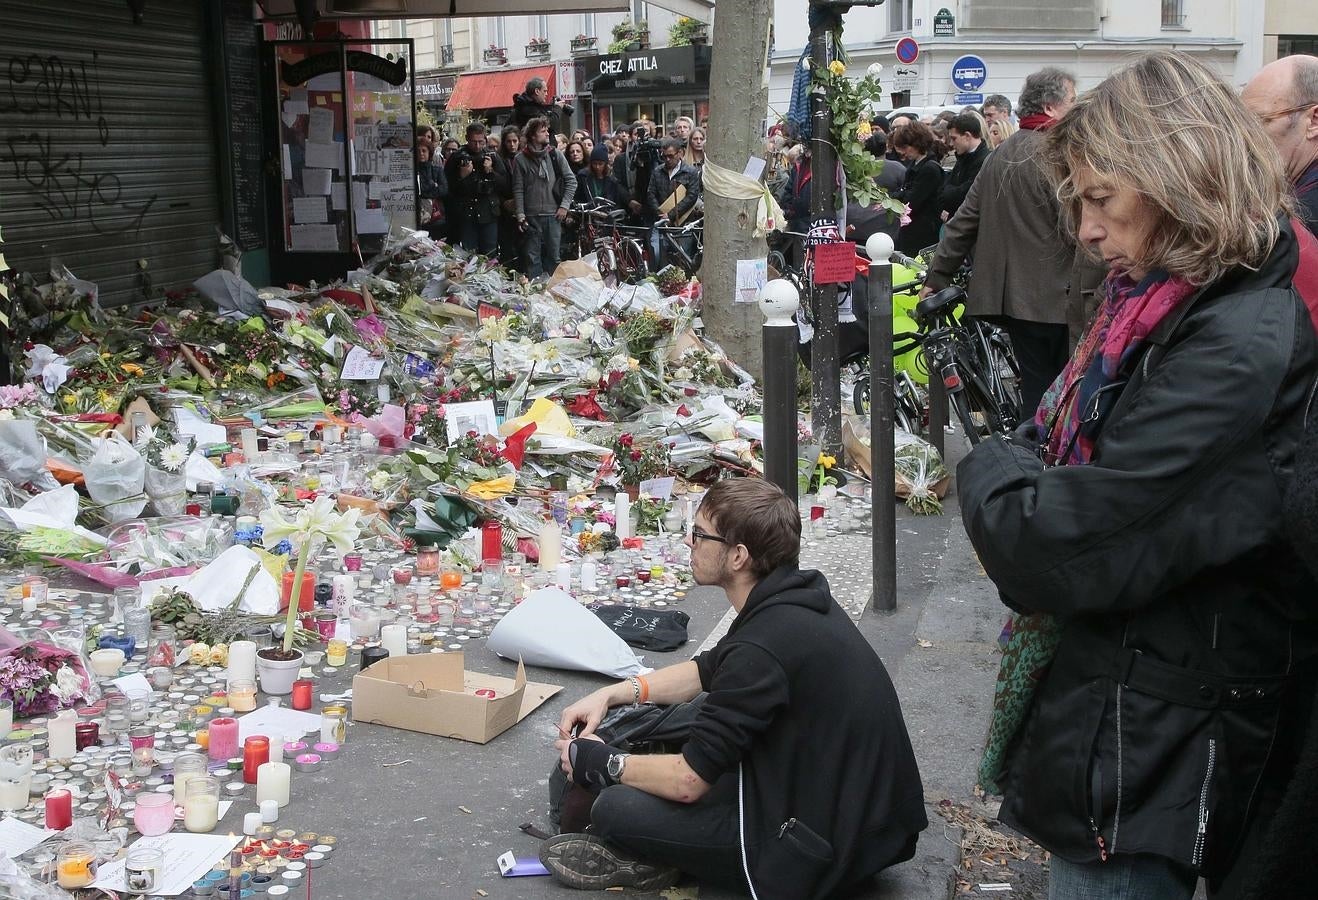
(425, 9)
(495, 90)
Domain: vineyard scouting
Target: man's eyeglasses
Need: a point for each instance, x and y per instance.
(698, 535)
(1286, 112)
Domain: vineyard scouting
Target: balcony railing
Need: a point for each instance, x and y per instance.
(584, 45)
(496, 56)
(537, 51)
(446, 55)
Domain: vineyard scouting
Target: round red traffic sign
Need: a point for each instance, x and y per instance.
(908, 51)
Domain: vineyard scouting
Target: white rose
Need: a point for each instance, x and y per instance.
(593, 375)
(875, 70)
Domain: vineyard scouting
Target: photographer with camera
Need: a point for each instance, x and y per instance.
(482, 183)
(455, 170)
(632, 170)
(535, 104)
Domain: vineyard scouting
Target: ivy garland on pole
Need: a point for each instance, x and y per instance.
(850, 101)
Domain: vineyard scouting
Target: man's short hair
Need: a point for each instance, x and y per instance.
(998, 101)
(477, 128)
(903, 119)
(671, 143)
(535, 84)
(1048, 86)
(967, 123)
(757, 514)
(533, 126)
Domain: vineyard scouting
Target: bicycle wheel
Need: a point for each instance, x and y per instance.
(961, 406)
(607, 263)
(975, 407)
(631, 260)
(860, 395)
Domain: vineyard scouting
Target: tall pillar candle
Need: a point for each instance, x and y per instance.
(550, 545)
(563, 576)
(622, 516)
(223, 738)
(62, 735)
(589, 573)
(248, 438)
(272, 781)
(343, 589)
(394, 639)
(242, 661)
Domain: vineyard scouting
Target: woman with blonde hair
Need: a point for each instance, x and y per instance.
(1159, 673)
(695, 148)
(999, 131)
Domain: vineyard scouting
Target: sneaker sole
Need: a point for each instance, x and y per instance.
(587, 863)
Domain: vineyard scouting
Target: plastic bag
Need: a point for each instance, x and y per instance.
(168, 491)
(23, 455)
(919, 472)
(114, 477)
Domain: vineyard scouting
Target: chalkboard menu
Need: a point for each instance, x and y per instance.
(242, 92)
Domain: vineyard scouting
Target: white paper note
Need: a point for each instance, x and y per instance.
(315, 238)
(754, 168)
(188, 422)
(320, 130)
(338, 195)
(473, 415)
(310, 210)
(400, 166)
(276, 722)
(296, 107)
(358, 194)
(361, 366)
(751, 277)
(659, 488)
(370, 221)
(288, 162)
(18, 837)
(316, 182)
(133, 684)
(324, 156)
(368, 161)
(187, 858)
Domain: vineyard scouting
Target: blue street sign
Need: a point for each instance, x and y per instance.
(968, 99)
(907, 50)
(969, 73)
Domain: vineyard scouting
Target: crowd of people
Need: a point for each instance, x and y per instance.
(509, 193)
(1152, 530)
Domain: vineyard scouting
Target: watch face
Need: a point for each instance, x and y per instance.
(615, 764)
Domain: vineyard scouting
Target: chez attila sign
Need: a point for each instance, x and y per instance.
(673, 67)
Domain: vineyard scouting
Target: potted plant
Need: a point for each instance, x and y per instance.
(686, 31)
(630, 36)
(537, 48)
(583, 43)
(495, 54)
(277, 667)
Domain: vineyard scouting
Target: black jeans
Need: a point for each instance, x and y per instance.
(1042, 351)
(699, 838)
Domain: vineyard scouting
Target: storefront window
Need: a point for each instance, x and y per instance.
(677, 108)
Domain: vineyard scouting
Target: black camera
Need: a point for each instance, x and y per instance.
(645, 153)
(568, 108)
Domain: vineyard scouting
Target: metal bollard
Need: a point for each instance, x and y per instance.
(779, 301)
(883, 528)
(938, 414)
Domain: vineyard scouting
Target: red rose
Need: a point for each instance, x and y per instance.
(626, 440)
(636, 456)
(683, 411)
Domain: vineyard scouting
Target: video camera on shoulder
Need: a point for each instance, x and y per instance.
(646, 147)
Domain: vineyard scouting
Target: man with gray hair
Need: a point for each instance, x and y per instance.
(996, 106)
(534, 103)
(1284, 94)
(1023, 279)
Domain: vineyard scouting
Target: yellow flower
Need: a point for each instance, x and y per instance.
(837, 67)
(633, 364)
(70, 400)
(826, 461)
(863, 129)
(131, 369)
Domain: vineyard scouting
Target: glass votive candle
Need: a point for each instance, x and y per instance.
(242, 695)
(154, 813)
(75, 865)
(336, 654)
(201, 804)
(450, 578)
(143, 869)
(402, 574)
(352, 562)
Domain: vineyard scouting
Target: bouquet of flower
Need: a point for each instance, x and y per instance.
(636, 463)
(40, 677)
(164, 481)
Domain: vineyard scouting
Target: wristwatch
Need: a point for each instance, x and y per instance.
(617, 762)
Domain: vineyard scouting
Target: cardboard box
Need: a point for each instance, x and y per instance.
(433, 693)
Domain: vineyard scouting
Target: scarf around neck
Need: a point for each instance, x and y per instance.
(543, 159)
(1073, 409)
(1037, 122)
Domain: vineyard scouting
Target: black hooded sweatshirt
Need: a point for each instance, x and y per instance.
(829, 789)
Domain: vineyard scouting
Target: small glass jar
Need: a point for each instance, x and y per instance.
(242, 695)
(186, 767)
(164, 646)
(201, 805)
(334, 724)
(427, 559)
(75, 864)
(154, 813)
(336, 654)
(142, 870)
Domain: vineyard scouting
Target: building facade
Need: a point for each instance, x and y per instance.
(1290, 26)
(1012, 38)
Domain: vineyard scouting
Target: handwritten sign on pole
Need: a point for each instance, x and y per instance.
(834, 263)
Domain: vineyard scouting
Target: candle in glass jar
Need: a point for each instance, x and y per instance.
(223, 738)
(75, 865)
(242, 695)
(272, 780)
(256, 753)
(550, 545)
(427, 559)
(588, 575)
(336, 654)
(492, 540)
(201, 806)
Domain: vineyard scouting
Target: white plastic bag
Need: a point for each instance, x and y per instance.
(114, 476)
(23, 455)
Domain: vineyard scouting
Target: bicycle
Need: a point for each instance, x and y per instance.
(618, 257)
(673, 243)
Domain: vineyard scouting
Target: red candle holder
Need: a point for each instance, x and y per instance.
(256, 753)
(302, 694)
(307, 599)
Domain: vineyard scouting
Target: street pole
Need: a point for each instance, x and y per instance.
(883, 515)
(779, 301)
(938, 413)
(825, 367)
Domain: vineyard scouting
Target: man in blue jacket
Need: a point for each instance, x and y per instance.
(797, 778)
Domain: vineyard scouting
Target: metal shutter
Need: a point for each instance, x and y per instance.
(1031, 15)
(107, 153)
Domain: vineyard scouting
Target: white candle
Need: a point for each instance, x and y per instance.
(272, 784)
(63, 740)
(15, 794)
(550, 544)
(270, 811)
(200, 813)
(622, 515)
(252, 822)
(242, 661)
(563, 578)
(29, 604)
(342, 592)
(588, 574)
(107, 661)
(248, 436)
(394, 639)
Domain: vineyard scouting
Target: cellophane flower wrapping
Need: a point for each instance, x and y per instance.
(41, 673)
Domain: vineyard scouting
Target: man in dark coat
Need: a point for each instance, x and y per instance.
(534, 103)
(1285, 96)
(971, 151)
(797, 779)
(673, 196)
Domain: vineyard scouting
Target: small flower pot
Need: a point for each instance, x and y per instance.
(277, 675)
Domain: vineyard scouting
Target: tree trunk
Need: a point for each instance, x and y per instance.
(738, 99)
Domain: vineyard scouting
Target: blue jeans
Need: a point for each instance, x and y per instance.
(540, 245)
(1135, 877)
(480, 237)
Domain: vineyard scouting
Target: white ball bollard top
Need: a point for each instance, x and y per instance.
(879, 248)
(779, 301)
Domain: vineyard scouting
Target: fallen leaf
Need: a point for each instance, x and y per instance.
(681, 893)
(464, 809)
(923, 643)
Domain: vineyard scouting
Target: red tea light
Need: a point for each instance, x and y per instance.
(643, 575)
(294, 855)
(299, 849)
(486, 693)
(622, 581)
(253, 848)
(281, 845)
(269, 853)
